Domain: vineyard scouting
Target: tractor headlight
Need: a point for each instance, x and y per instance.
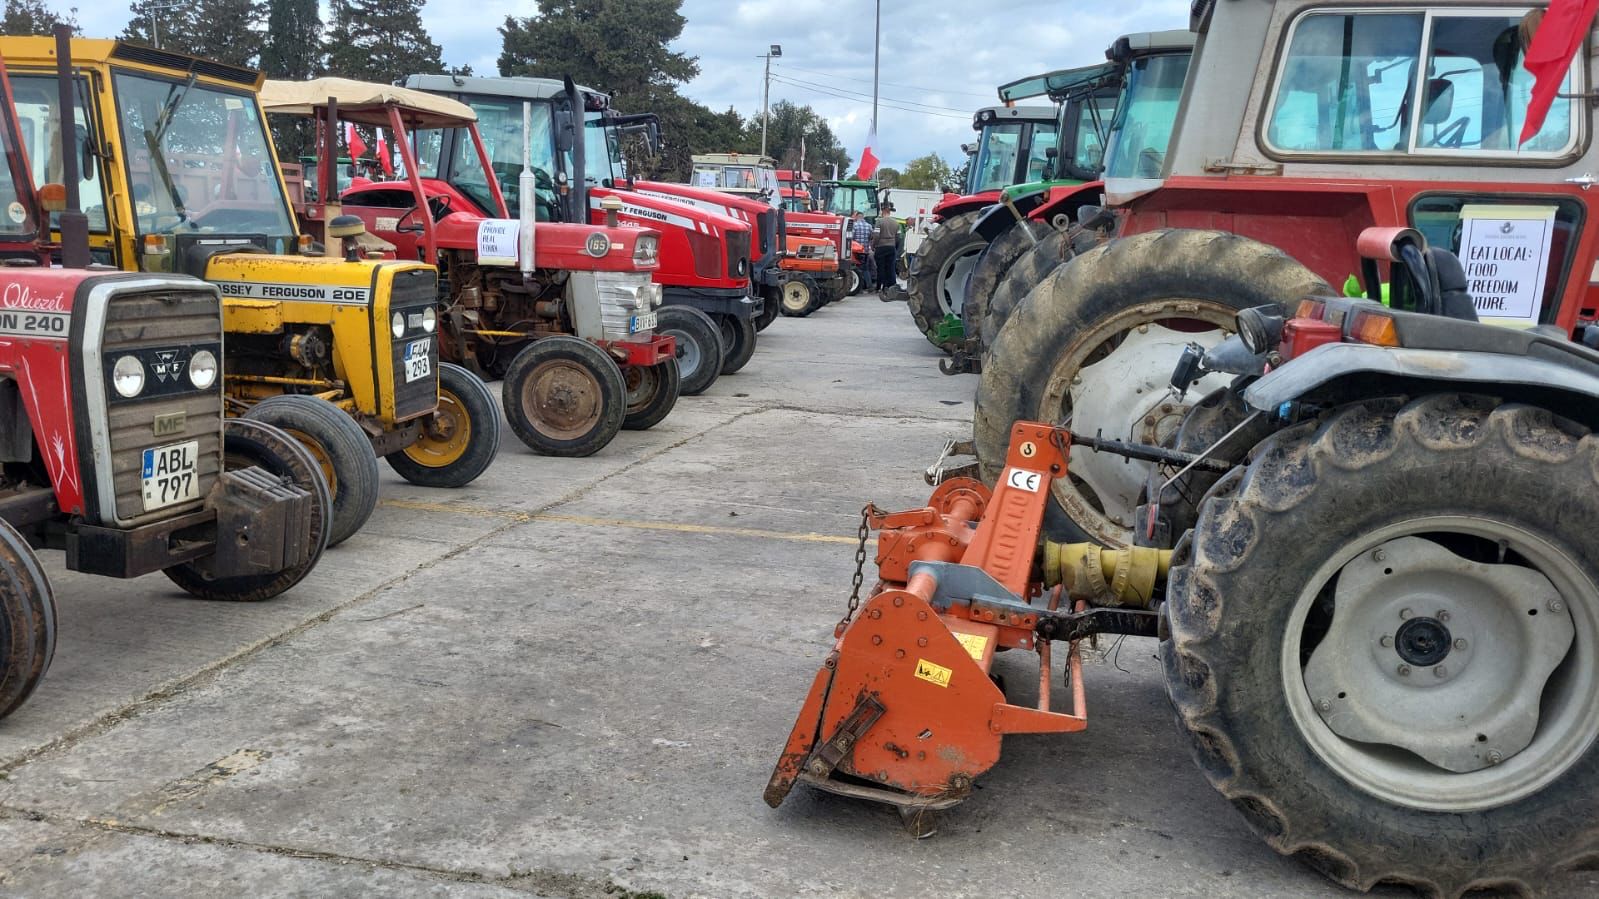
(1260, 328)
(647, 248)
(203, 369)
(127, 376)
(397, 324)
(430, 319)
(652, 292)
(598, 245)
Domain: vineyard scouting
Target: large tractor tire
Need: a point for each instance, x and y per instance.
(564, 396)
(1022, 278)
(248, 442)
(461, 439)
(992, 266)
(799, 297)
(938, 286)
(699, 346)
(27, 620)
(1093, 348)
(738, 342)
(340, 448)
(651, 393)
(1385, 644)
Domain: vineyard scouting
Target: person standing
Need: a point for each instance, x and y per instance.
(885, 243)
(860, 231)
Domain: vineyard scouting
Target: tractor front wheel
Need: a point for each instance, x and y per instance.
(853, 282)
(738, 342)
(937, 288)
(249, 443)
(340, 448)
(27, 620)
(1385, 643)
(799, 297)
(461, 439)
(564, 396)
(699, 346)
(651, 393)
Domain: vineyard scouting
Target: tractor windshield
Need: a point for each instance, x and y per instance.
(198, 160)
(845, 199)
(1088, 120)
(1152, 93)
(602, 153)
(38, 104)
(996, 156)
(499, 122)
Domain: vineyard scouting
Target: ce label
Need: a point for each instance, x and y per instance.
(1024, 480)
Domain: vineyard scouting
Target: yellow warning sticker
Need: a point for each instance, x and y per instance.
(932, 672)
(975, 645)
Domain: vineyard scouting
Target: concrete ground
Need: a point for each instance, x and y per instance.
(572, 678)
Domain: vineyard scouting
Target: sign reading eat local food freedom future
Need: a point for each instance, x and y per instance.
(496, 241)
(1505, 250)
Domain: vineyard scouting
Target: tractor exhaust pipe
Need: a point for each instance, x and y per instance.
(74, 224)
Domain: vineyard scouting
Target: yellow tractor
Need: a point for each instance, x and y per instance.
(341, 350)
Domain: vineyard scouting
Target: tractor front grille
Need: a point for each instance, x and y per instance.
(622, 296)
(413, 291)
(163, 329)
(738, 254)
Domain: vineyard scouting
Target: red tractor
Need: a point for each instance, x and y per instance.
(564, 313)
(115, 444)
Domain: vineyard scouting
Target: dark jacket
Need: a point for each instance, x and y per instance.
(885, 231)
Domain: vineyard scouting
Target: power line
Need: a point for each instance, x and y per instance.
(863, 94)
(931, 90)
(821, 90)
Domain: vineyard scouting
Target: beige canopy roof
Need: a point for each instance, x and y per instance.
(365, 103)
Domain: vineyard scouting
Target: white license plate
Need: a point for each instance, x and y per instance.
(417, 363)
(644, 321)
(170, 475)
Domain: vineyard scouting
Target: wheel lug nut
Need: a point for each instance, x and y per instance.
(1443, 614)
(1556, 605)
(1387, 640)
(1325, 705)
(1495, 757)
(1404, 670)
(1380, 556)
(1406, 614)
(1440, 671)
(1461, 643)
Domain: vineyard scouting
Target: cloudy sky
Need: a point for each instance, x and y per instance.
(941, 59)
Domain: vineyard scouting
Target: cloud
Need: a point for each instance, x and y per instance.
(941, 59)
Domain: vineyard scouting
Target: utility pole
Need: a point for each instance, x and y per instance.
(155, 26)
(766, 91)
(877, 52)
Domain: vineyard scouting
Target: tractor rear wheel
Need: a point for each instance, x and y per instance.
(938, 286)
(738, 342)
(1093, 348)
(699, 346)
(461, 439)
(651, 393)
(340, 448)
(799, 297)
(993, 270)
(245, 443)
(1385, 643)
(564, 396)
(27, 620)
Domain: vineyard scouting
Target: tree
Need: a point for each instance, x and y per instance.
(293, 46)
(792, 126)
(224, 30)
(958, 177)
(928, 172)
(33, 17)
(618, 46)
(888, 176)
(380, 40)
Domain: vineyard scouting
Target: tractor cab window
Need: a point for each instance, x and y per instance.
(1447, 83)
(1088, 148)
(18, 222)
(38, 104)
(996, 157)
(845, 200)
(1153, 91)
(198, 160)
(1044, 139)
(499, 123)
(602, 152)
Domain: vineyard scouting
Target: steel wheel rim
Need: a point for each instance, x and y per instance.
(1568, 720)
(642, 384)
(454, 427)
(563, 398)
(320, 455)
(1055, 404)
(688, 354)
(952, 278)
(796, 296)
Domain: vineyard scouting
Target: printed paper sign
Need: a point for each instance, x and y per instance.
(1505, 250)
(496, 241)
(706, 179)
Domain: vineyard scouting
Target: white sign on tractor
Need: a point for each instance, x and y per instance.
(1505, 250)
(497, 241)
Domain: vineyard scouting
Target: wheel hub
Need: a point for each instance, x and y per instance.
(795, 296)
(564, 397)
(1124, 394)
(688, 354)
(1438, 655)
(952, 277)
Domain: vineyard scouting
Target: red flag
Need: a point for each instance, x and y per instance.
(1555, 44)
(352, 139)
(869, 159)
(385, 158)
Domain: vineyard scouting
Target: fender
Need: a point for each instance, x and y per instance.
(1577, 377)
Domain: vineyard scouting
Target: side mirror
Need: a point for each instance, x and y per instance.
(86, 153)
(1440, 101)
(565, 133)
(53, 197)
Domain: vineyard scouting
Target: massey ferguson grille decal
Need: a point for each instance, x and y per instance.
(31, 323)
(697, 203)
(648, 215)
(303, 293)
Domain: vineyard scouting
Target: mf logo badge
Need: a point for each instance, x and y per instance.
(166, 365)
(171, 423)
